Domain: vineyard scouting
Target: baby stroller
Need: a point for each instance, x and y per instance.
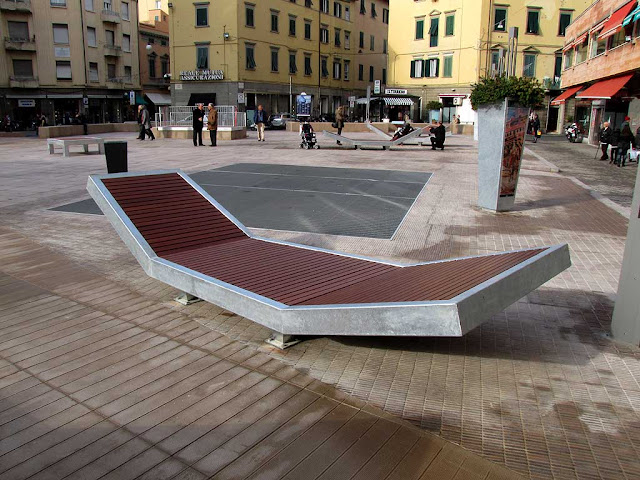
(308, 137)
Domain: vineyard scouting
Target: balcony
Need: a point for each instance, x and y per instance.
(23, 82)
(20, 44)
(551, 83)
(16, 6)
(109, 16)
(112, 50)
(114, 82)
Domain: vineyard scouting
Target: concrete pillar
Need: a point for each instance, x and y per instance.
(626, 315)
(561, 115)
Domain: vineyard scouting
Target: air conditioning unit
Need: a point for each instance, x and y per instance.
(457, 101)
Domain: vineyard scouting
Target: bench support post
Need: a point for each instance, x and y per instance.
(281, 340)
(187, 299)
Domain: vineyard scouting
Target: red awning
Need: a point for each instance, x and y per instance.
(580, 40)
(567, 94)
(614, 24)
(606, 88)
(568, 46)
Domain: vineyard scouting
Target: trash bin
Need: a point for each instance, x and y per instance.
(116, 153)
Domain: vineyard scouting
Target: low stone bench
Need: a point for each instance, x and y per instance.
(66, 142)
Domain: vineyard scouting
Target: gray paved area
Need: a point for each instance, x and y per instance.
(539, 389)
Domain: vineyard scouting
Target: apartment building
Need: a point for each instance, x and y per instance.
(600, 67)
(60, 57)
(438, 48)
(154, 56)
(250, 52)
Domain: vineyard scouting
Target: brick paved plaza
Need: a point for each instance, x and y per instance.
(103, 375)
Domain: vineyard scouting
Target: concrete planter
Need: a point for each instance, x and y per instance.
(501, 130)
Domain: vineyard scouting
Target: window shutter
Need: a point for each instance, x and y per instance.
(413, 69)
(426, 68)
(437, 63)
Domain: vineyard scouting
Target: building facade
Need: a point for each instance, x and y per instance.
(600, 65)
(61, 57)
(248, 52)
(438, 48)
(155, 72)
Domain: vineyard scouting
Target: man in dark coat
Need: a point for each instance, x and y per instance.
(198, 116)
(437, 141)
(605, 140)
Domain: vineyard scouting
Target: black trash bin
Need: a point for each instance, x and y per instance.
(116, 153)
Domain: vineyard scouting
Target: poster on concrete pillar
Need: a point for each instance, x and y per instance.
(514, 130)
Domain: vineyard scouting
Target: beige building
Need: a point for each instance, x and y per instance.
(251, 52)
(60, 57)
(438, 48)
(154, 57)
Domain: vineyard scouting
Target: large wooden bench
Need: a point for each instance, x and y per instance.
(66, 142)
(183, 237)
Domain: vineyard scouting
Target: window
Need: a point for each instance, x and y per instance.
(88, 6)
(308, 3)
(347, 13)
(361, 72)
(598, 46)
(419, 28)
(274, 21)
(568, 59)
(450, 21)
(58, 3)
(22, 68)
(92, 39)
(127, 74)
(416, 68)
(307, 29)
(93, 72)
(371, 73)
(274, 59)
(448, 66)
(337, 9)
(106, 4)
(347, 40)
(307, 65)
(63, 70)
(372, 43)
(557, 68)
(152, 66)
(248, 15)
(361, 42)
(347, 64)
(323, 67)
(158, 4)
(249, 49)
(385, 15)
(565, 20)
(60, 34)
(324, 6)
(111, 71)
(497, 61)
(621, 36)
(110, 38)
(202, 15)
(164, 66)
(432, 67)
(384, 45)
(363, 7)
(163, 43)
(126, 42)
(373, 10)
(124, 12)
(384, 76)
(337, 35)
(18, 30)
(581, 52)
(324, 34)
(433, 32)
(500, 19)
(292, 25)
(202, 57)
(337, 70)
(533, 22)
(529, 69)
(293, 68)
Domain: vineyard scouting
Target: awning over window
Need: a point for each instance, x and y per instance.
(614, 24)
(606, 88)
(159, 98)
(363, 100)
(580, 40)
(632, 17)
(566, 95)
(398, 101)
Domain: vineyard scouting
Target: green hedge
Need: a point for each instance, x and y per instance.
(525, 91)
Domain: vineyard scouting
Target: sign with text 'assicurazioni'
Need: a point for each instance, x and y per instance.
(201, 75)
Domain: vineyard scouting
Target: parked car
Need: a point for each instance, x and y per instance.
(279, 120)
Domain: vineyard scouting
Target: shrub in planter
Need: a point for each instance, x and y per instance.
(524, 91)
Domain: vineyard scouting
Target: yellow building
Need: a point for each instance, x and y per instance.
(258, 52)
(61, 57)
(438, 48)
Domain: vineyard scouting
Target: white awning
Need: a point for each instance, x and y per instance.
(159, 98)
(398, 101)
(363, 100)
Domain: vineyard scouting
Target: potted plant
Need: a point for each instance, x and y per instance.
(433, 107)
(503, 105)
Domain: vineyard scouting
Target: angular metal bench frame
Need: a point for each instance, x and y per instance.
(453, 317)
(385, 144)
(418, 140)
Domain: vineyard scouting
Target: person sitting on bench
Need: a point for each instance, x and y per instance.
(437, 141)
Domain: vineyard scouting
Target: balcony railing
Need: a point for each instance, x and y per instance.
(110, 16)
(20, 44)
(23, 81)
(112, 50)
(551, 83)
(16, 5)
(114, 79)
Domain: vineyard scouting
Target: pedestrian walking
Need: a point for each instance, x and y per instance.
(212, 124)
(535, 125)
(605, 139)
(260, 119)
(339, 121)
(615, 139)
(145, 123)
(627, 140)
(198, 116)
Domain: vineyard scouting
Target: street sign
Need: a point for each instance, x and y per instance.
(352, 98)
(132, 97)
(26, 103)
(352, 103)
(85, 101)
(241, 98)
(376, 87)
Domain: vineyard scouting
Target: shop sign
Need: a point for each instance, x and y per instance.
(201, 75)
(241, 98)
(177, 86)
(132, 97)
(26, 103)
(62, 52)
(303, 105)
(395, 91)
(376, 87)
